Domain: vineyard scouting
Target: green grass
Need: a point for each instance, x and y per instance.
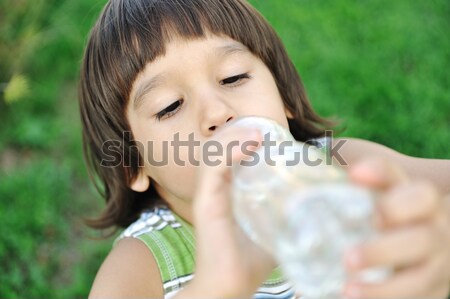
(45, 250)
(380, 66)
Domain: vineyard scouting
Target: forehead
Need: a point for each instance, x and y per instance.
(216, 46)
(179, 50)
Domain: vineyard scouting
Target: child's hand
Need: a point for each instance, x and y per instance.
(228, 264)
(414, 240)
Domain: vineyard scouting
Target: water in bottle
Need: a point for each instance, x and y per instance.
(301, 209)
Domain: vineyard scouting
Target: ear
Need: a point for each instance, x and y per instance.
(141, 183)
(288, 113)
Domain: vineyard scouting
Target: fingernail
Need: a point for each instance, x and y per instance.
(352, 291)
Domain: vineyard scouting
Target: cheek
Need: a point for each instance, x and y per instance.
(170, 166)
(266, 102)
(181, 149)
(179, 181)
(272, 103)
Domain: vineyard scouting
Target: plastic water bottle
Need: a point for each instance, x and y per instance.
(303, 211)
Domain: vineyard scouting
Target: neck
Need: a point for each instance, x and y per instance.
(181, 207)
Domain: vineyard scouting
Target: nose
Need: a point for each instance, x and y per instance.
(215, 113)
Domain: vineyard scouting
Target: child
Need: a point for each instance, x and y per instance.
(160, 72)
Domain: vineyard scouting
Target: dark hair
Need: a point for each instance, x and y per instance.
(131, 33)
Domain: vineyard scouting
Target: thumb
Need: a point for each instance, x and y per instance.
(214, 177)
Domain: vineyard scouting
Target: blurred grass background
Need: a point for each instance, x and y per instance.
(381, 66)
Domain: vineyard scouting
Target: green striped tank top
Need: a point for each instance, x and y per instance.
(171, 241)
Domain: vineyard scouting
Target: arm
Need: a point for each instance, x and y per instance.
(355, 150)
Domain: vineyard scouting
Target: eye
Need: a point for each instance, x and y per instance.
(235, 80)
(169, 110)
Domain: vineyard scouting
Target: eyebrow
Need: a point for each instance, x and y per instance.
(144, 88)
(230, 49)
(148, 85)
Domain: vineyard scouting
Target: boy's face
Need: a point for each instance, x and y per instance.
(186, 95)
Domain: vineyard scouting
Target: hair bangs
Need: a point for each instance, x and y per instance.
(140, 30)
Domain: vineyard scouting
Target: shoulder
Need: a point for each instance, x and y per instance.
(153, 257)
(129, 271)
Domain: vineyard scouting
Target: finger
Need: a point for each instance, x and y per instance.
(422, 281)
(231, 143)
(394, 249)
(377, 173)
(213, 178)
(409, 203)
